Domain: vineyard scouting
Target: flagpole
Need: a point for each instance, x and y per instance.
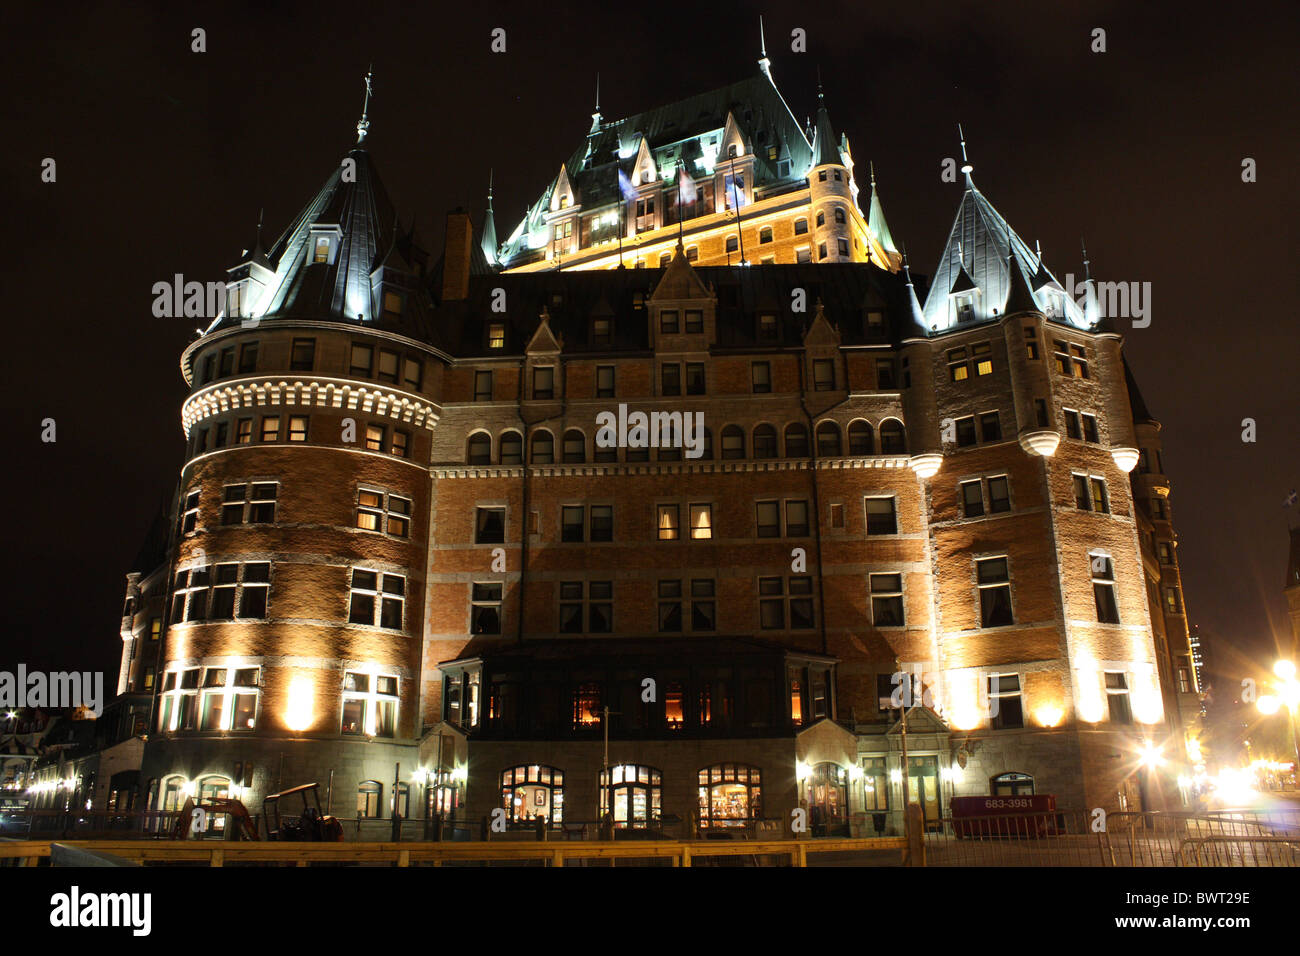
(740, 236)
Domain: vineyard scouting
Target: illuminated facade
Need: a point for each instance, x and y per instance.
(405, 553)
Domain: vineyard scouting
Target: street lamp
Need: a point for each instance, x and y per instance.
(1288, 695)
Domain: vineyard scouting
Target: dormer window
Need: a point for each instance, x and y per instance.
(322, 249)
(392, 303)
(564, 200)
(965, 306)
(767, 327)
(496, 336)
(731, 151)
(232, 298)
(1055, 306)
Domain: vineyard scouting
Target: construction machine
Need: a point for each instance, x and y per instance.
(239, 826)
(295, 815)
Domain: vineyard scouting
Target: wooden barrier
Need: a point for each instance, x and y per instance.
(221, 853)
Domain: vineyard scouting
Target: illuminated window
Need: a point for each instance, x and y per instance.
(532, 793)
(377, 510)
(631, 795)
(297, 428)
(701, 521)
(886, 599)
(376, 599)
(1173, 603)
(669, 529)
(190, 512)
(1031, 342)
(982, 358)
(496, 336)
(244, 431)
(375, 435)
(270, 428)
(369, 704)
(1080, 356)
(1061, 357)
(958, 371)
(369, 792)
(322, 249)
(362, 360)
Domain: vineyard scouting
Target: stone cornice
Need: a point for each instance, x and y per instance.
(258, 392)
(664, 468)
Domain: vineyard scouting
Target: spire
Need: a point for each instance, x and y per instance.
(825, 149)
(363, 124)
(764, 64)
(596, 117)
(489, 239)
(1019, 298)
(876, 217)
(966, 166)
(918, 316)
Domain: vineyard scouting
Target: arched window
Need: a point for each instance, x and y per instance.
(839, 214)
(731, 795)
(543, 448)
(828, 440)
(480, 449)
(575, 446)
(821, 218)
(731, 151)
(529, 792)
(632, 794)
(796, 441)
(765, 442)
(860, 441)
(512, 448)
(732, 243)
(765, 234)
(893, 440)
(826, 792)
(733, 442)
(369, 794)
(1012, 784)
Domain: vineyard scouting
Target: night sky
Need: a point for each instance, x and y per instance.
(165, 156)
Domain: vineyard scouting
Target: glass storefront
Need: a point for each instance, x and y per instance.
(533, 792)
(826, 792)
(632, 793)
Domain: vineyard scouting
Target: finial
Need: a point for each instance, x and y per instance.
(762, 40)
(489, 190)
(966, 166)
(820, 95)
(1087, 273)
(597, 92)
(872, 166)
(363, 124)
(1038, 253)
(260, 213)
(906, 269)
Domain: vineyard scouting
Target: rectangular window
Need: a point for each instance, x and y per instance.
(412, 374)
(670, 379)
(694, 378)
(375, 435)
(1100, 499)
(982, 358)
(994, 584)
(670, 607)
(760, 377)
(669, 528)
(303, 355)
(885, 380)
(227, 364)
(270, 428)
(694, 321)
(1082, 496)
(1031, 342)
(1117, 697)
(297, 428)
(1040, 412)
(482, 386)
(1080, 356)
(190, 513)
(823, 375)
(1061, 357)
(251, 504)
(254, 590)
(1072, 429)
(1103, 588)
(886, 599)
(377, 600)
(1090, 429)
(572, 522)
(837, 516)
(401, 443)
(1173, 605)
(966, 431)
(769, 519)
(796, 519)
(379, 511)
(362, 360)
(999, 495)
(881, 517)
(602, 331)
(544, 382)
(704, 613)
(771, 603)
(958, 370)
(1165, 552)
(244, 431)
(247, 358)
(668, 322)
(972, 496)
(388, 364)
(602, 523)
(490, 526)
(485, 608)
(1009, 713)
(496, 336)
(604, 381)
(990, 427)
(701, 521)
(768, 328)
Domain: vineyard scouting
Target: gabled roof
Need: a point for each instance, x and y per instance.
(688, 131)
(981, 244)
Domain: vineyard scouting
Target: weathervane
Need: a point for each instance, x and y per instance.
(363, 124)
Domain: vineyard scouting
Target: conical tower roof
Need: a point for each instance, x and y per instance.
(489, 231)
(876, 218)
(825, 146)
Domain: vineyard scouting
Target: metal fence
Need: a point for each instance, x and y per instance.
(1236, 838)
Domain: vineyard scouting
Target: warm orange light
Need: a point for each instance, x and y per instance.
(298, 715)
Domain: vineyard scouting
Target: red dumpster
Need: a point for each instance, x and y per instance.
(983, 817)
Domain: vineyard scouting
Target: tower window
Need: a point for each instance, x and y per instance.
(993, 581)
(322, 249)
(303, 356)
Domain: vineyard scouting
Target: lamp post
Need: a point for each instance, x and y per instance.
(1288, 696)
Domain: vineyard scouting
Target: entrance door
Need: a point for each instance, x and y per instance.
(923, 779)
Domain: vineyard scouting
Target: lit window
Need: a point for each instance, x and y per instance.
(375, 437)
(297, 428)
(669, 529)
(322, 249)
(701, 521)
(496, 336)
(379, 511)
(370, 709)
(270, 428)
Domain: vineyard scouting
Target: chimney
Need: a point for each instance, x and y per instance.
(455, 258)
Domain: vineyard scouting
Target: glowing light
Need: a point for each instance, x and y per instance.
(1268, 704)
(189, 789)
(926, 466)
(1049, 715)
(1291, 694)
(856, 772)
(298, 715)
(461, 773)
(801, 770)
(1234, 786)
(1042, 442)
(1284, 669)
(1125, 458)
(896, 776)
(1194, 751)
(1151, 756)
(1089, 696)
